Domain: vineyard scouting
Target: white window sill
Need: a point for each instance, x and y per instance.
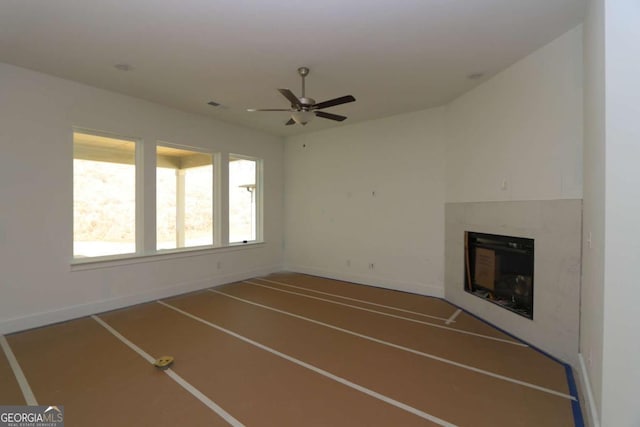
(92, 263)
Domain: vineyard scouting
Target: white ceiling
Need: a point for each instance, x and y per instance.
(394, 56)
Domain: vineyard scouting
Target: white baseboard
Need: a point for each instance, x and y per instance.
(412, 287)
(592, 412)
(22, 323)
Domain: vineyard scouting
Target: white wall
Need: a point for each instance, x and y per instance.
(518, 138)
(38, 285)
(609, 341)
(621, 343)
(522, 127)
(592, 293)
(336, 226)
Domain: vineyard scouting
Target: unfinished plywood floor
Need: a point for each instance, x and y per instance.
(288, 350)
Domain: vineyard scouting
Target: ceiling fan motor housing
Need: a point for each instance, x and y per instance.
(306, 103)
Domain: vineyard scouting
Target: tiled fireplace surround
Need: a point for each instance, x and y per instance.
(556, 227)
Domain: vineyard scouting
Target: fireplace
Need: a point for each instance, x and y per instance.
(555, 227)
(499, 269)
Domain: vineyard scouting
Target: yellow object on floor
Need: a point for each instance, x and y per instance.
(163, 362)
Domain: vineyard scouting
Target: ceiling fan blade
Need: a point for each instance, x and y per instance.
(268, 109)
(329, 116)
(336, 101)
(291, 97)
(290, 122)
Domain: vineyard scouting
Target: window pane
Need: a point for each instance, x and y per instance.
(184, 187)
(166, 208)
(242, 199)
(104, 196)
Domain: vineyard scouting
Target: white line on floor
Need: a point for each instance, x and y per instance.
(29, 397)
(313, 368)
(177, 378)
(353, 299)
(453, 317)
(399, 347)
(433, 325)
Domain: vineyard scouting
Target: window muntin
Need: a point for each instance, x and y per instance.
(244, 199)
(104, 195)
(184, 198)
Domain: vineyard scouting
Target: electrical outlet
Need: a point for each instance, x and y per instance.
(348, 263)
(219, 265)
(372, 266)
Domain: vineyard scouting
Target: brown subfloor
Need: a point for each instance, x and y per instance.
(101, 381)
(501, 358)
(10, 393)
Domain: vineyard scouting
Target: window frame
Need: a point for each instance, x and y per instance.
(139, 196)
(146, 205)
(259, 199)
(215, 197)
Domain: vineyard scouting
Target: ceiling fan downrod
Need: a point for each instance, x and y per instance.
(304, 72)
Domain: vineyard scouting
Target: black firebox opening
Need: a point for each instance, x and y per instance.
(500, 270)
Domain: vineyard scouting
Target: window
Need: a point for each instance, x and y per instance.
(114, 215)
(184, 198)
(104, 195)
(244, 199)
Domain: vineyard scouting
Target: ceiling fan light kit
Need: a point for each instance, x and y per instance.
(303, 109)
(302, 117)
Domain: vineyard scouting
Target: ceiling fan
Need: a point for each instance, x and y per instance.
(304, 109)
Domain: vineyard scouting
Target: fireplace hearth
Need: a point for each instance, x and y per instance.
(499, 269)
